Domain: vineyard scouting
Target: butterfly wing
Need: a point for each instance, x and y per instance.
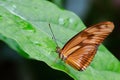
(80, 50)
(82, 57)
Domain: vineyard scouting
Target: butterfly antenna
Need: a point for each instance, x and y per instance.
(53, 36)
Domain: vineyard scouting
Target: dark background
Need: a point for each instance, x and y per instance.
(15, 67)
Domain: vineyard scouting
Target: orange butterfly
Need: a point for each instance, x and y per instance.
(80, 50)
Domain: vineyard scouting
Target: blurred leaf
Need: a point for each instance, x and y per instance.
(24, 26)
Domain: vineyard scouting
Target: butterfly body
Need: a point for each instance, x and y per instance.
(80, 50)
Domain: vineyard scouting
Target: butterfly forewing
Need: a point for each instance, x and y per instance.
(80, 50)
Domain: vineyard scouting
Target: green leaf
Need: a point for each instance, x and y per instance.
(24, 26)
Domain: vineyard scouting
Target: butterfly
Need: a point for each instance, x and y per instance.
(80, 50)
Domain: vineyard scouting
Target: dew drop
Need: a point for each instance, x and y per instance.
(71, 20)
(61, 21)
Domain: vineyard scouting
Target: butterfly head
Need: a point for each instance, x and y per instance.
(58, 49)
